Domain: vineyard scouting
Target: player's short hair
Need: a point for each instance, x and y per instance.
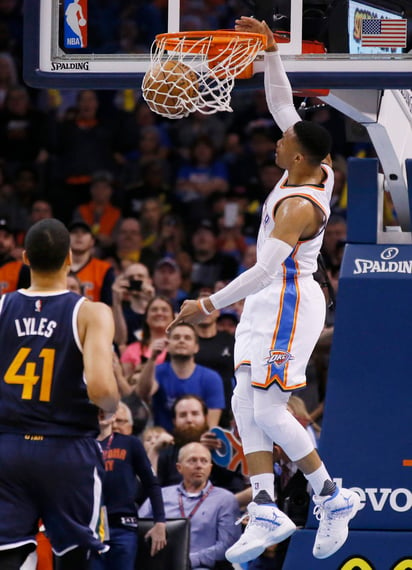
(47, 245)
(314, 139)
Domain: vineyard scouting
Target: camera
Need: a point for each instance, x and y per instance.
(135, 284)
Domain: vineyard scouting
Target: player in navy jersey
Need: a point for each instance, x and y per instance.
(55, 371)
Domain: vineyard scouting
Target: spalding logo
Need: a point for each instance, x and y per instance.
(389, 253)
(279, 357)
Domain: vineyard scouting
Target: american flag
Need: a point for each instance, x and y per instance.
(384, 33)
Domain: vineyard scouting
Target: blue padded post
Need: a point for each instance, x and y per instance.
(408, 165)
(362, 200)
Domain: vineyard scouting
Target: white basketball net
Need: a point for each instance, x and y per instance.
(210, 85)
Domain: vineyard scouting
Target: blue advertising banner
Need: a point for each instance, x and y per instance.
(364, 550)
(366, 439)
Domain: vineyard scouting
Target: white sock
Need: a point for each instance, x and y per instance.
(263, 482)
(317, 479)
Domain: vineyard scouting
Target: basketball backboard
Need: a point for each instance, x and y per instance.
(86, 43)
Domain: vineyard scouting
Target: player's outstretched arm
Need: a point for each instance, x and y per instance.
(96, 331)
(294, 218)
(278, 91)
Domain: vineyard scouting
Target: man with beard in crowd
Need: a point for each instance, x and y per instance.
(189, 420)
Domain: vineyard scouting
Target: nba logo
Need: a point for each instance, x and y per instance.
(75, 24)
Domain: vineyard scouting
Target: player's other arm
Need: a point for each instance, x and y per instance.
(96, 331)
(295, 218)
(278, 91)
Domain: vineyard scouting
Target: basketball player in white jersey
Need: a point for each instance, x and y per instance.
(281, 322)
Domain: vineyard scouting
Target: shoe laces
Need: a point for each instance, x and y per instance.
(256, 520)
(242, 518)
(327, 517)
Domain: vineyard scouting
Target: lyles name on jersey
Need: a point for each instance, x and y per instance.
(35, 326)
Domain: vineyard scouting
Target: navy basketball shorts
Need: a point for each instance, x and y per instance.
(56, 479)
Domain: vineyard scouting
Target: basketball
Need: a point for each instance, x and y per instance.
(170, 88)
(82, 22)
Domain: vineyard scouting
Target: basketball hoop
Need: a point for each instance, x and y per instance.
(214, 59)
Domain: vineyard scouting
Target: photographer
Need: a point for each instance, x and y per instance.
(131, 292)
(159, 314)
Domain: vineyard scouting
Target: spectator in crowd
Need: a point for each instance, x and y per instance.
(125, 459)
(259, 151)
(11, 207)
(200, 178)
(248, 259)
(129, 131)
(227, 322)
(95, 275)
(123, 421)
(216, 352)
(171, 240)
(189, 413)
(209, 265)
(84, 146)
(154, 439)
(40, 210)
(167, 280)
(159, 314)
(185, 132)
(13, 273)
(73, 283)
(128, 246)
(231, 240)
(152, 183)
(131, 292)
(150, 216)
(24, 131)
(99, 213)
(162, 384)
(335, 237)
(149, 149)
(212, 510)
(8, 75)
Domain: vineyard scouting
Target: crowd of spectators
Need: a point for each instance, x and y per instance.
(158, 211)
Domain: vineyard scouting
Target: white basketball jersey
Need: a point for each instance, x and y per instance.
(306, 251)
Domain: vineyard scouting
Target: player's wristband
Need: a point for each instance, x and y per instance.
(201, 305)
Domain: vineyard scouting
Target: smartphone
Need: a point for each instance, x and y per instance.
(230, 215)
(135, 284)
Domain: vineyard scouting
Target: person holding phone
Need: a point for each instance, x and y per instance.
(159, 314)
(131, 292)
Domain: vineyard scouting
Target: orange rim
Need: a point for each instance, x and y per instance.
(216, 40)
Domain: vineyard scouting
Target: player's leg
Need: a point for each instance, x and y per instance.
(77, 558)
(334, 507)
(14, 558)
(267, 524)
(71, 506)
(18, 509)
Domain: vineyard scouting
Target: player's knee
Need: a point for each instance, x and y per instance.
(273, 420)
(243, 414)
